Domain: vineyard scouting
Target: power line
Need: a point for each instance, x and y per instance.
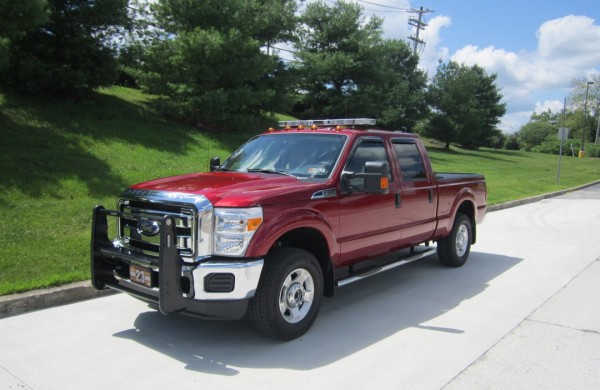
(392, 10)
(383, 5)
(279, 48)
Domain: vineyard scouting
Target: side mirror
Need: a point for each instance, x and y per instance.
(375, 179)
(376, 176)
(215, 163)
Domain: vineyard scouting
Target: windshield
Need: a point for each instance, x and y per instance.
(303, 155)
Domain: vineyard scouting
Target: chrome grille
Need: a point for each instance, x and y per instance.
(193, 222)
(185, 222)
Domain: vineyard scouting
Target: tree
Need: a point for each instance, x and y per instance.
(346, 68)
(207, 63)
(71, 52)
(512, 142)
(18, 18)
(339, 64)
(466, 105)
(403, 88)
(536, 131)
(577, 100)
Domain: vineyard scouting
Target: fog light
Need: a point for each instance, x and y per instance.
(219, 283)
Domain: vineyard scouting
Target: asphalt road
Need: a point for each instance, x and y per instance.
(523, 313)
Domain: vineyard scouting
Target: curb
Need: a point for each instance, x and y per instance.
(15, 304)
(11, 305)
(537, 198)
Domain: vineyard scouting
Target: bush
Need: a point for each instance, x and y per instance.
(593, 150)
(512, 143)
(551, 145)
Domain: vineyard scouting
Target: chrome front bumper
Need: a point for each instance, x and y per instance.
(217, 288)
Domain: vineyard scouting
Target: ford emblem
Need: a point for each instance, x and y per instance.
(148, 228)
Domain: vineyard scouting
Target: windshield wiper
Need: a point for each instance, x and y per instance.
(225, 169)
(263, 170)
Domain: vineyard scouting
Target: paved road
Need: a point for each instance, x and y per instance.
(522, 313)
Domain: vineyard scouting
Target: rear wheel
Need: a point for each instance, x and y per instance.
(288, 297)
(454, 249)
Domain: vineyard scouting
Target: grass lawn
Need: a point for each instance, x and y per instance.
(514, 175)
(59, 159)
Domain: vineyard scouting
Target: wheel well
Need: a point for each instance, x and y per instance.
(468, 208)
(312, 241)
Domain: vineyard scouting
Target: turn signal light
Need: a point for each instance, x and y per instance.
(253, 224)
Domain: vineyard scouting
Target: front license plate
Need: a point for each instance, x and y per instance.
(140, 275)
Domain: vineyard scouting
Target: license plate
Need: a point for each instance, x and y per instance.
(140, 275)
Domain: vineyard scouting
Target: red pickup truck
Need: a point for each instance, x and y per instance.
(287, 218)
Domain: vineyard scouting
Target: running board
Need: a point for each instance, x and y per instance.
(374, 271)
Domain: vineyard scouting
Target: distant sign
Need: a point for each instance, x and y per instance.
(563, 133)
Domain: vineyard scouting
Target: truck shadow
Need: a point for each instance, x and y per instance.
(358, 316)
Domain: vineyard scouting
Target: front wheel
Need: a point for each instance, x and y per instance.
(288, 298)
(454, 249)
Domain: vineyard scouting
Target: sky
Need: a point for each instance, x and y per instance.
(535, 47)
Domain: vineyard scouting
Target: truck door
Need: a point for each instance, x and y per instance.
(368, 224)
(418, 195)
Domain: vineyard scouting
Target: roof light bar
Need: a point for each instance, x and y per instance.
(329, 122)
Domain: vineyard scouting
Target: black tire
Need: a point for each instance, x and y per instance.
(288, 297)
(453, 250)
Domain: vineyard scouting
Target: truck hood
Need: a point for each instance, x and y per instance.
(235, 189)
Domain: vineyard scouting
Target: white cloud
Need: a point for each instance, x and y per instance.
(513, 121)
(433, 50)
(395, 20)
(553, 105)
(566, 38)
(568, 47)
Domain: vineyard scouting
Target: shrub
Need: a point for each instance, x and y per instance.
(512, 142)
(593, 150)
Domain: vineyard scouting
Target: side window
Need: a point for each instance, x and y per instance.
(367, 150)
(410, 161)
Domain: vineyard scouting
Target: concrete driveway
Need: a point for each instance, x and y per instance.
(522, 313)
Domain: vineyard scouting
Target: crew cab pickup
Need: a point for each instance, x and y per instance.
(287, 218)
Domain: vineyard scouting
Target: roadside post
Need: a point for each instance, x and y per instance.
(563, 133)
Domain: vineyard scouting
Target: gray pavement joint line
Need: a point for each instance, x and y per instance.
(21, 382)
(562, 326)
(56, 296)
(521, 322)
(558, 292)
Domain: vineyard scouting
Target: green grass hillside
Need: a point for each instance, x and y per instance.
(59, 159)
(512, 175)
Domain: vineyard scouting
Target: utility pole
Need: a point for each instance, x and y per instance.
(598, 119)
(419, 25)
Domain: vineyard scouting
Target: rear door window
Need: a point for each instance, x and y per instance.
(410, 161)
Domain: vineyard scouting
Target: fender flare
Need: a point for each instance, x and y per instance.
(274, 228)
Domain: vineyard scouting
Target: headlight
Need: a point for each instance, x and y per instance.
(234, 229)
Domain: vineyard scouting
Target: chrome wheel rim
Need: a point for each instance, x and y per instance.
(462, 240)
(296, 295)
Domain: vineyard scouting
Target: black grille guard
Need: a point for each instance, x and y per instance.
(170, 294)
